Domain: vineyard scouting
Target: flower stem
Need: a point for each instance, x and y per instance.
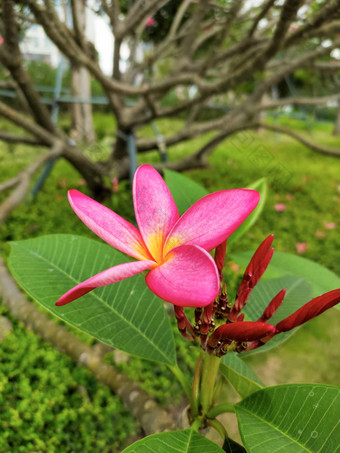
(220, 409)
(183, 381)
(196, 424)
(196, 388)
(210, 366)
(219, 428)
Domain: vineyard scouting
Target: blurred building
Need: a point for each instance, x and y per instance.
(37, 46)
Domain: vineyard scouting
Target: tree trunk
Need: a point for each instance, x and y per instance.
(82, 125)
(336, 130)
(92, 172)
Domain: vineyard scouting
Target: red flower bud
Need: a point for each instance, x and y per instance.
(241, 331)
(273, 306)
(220, 256)
(258, 263)
(255, 269)
(310, 310)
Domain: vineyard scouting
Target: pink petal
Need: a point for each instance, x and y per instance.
(155, 209)
(108, 225)
(112, 275)
(188, 277)
(213, 218)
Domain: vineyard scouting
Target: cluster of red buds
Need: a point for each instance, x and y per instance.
(238, 335)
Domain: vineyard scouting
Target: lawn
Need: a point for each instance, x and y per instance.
(72, 412)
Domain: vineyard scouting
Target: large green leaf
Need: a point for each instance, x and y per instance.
(298, 293)
(292, 418)
(126, 315)
(186, 441)
(321, 279)
(262, 187)
(184, 190)
(240, 375)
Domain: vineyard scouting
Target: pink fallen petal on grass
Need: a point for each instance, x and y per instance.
(330, 225)
(301, 247)
(320, 234)
(280, 207)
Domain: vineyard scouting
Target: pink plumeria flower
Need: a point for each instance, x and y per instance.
(174, 249)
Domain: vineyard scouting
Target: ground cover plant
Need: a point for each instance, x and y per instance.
(235, 169)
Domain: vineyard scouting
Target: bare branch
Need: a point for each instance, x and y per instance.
(141, 10)
(10, 57)
(188, 45)
(288, 15)
(299, 101)
(331, 10)
(17, 118)
(9, 184)
(310, 144)
(112, 10)
(23, 182)
(262, 14)
(14, 138)
(330, 65)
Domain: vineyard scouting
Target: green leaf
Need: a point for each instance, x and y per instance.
(126, 315)
(186, 441)
(184, 190)
(262, 187)
(298, 293)
(320, 278)
(292, 418)
(240, 375)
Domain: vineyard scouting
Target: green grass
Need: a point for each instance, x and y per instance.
(46, 382)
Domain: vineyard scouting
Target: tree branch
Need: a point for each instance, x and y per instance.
(298, 137)
(262, 14)
(299, 101)
(23, 182)
(10, 56)
(24, 139)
